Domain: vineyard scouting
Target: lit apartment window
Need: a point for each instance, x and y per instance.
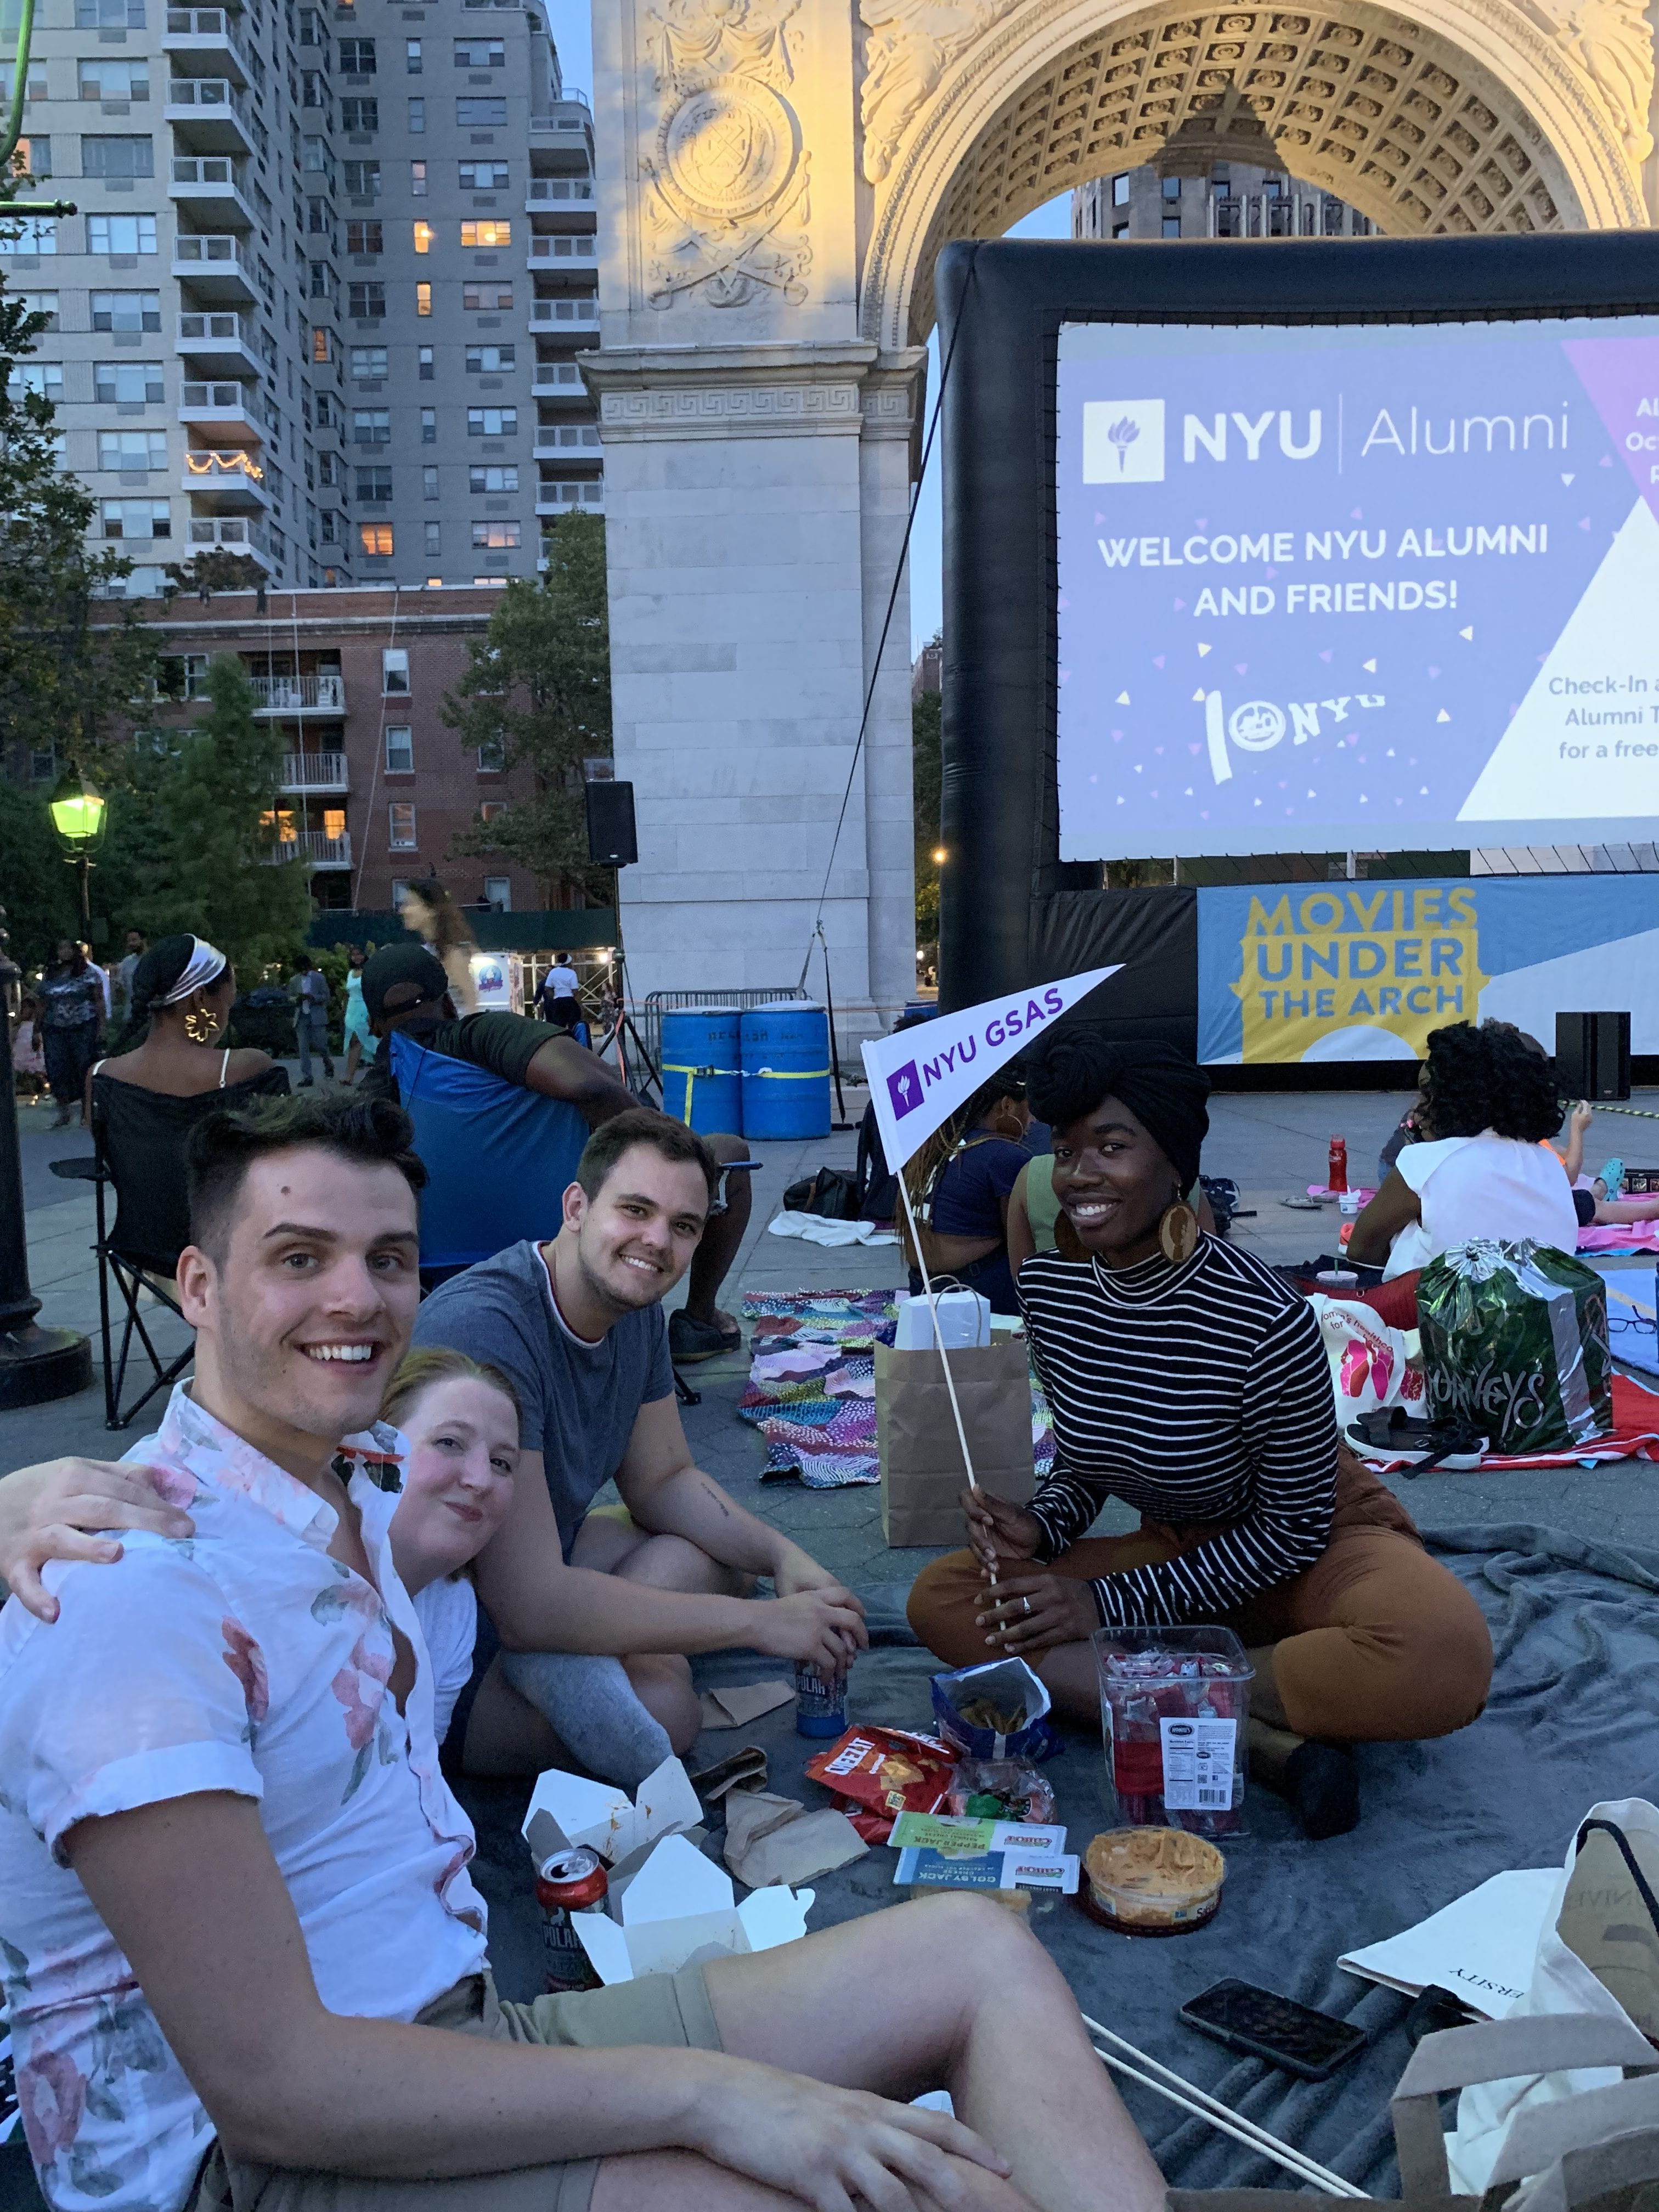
(394, 671)
(319, 348)
(423, 238)
(374, 538)
(400, 825)
(423, 302)
(400, 750)
(493, 477)
(35, 155)
(487, 230)
(127, 311)
(496, 535)
(492, 422)
(491, 810)
(486, 298)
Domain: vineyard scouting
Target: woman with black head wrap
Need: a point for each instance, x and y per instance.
(1186, 1379)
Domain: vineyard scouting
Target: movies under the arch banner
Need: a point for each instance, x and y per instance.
(1386, 586)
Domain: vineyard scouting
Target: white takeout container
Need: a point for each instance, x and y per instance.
(679, 1906)
(568, 1810)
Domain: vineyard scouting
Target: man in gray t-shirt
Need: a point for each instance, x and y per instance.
(576, 1325)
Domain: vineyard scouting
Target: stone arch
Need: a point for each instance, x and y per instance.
(1469, 116)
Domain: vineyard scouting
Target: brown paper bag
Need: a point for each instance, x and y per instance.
(922, 1475)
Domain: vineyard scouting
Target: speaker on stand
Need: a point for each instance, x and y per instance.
(613, 843)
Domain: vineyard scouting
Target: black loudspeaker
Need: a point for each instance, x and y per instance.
(1592, 1056)
(610, 840)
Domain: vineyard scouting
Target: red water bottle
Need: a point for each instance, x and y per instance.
(1337, 1172)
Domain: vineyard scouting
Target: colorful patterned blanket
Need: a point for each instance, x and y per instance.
(812, 1390)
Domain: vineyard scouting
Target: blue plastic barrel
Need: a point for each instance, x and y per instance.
(701, 1078)
(786, 1070)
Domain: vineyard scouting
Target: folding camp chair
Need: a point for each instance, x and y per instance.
(132, 1274)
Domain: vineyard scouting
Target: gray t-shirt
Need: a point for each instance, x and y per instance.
(579, 1400)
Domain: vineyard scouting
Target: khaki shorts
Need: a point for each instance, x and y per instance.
(671, 2009)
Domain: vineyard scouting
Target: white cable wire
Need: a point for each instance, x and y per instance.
(1210, 2108)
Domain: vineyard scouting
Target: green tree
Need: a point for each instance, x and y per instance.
(203, 817)
(538, 689)
(925, 788)
(67, 689)
(42, 904)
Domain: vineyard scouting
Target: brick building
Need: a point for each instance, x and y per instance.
(378, 785)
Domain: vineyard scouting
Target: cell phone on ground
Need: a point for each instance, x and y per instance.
(1264, 2025)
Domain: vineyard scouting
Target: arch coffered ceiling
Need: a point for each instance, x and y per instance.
(1470, 117)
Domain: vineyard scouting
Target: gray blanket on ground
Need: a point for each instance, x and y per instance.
(1574, 1716)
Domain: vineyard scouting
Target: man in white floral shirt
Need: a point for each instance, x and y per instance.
(243, 1955)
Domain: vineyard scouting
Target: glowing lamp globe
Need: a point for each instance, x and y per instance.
(78, 811)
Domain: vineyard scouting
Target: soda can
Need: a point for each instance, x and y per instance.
(567, 1883)
(820, 1705)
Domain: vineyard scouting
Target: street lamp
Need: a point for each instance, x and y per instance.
(77, 814)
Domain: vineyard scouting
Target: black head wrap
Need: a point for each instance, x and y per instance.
(1067, 1077)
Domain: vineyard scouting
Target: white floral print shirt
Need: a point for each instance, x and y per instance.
(243, 1659)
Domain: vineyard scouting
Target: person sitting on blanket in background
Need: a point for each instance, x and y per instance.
(245, 1962)
(959, 1183)
(1480, 1167)
(1186, 1378)
(1595, 1199)
(407, 993)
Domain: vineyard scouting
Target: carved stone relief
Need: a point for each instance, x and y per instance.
(1612, 42)
(910, 46)
(726, 205)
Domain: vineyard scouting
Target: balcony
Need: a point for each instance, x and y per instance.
(225, 340)
(550, 247)
(315, 846)
(566, 498)
(210, 115)
(208, 189)
(315, 772)
(206, 35)
(214, 264)
(232, 534)
(228, 476)
(222, 407)
(321, 694)
(561, 380)
(546, 191)
(579, 312)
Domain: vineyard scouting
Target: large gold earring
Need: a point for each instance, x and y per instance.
(200, 1027)
(1178, 1232)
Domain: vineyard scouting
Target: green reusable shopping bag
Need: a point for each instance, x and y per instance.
(1515, 1340)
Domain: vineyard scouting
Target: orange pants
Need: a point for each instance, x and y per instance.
(1376, 1643)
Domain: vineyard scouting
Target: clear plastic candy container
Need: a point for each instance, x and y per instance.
(1175, 1710)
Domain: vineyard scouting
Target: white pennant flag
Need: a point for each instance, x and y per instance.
(918, 1078)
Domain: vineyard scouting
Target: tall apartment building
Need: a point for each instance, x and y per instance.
(1229, 199)
(322, 299)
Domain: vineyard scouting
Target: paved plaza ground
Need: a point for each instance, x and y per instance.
(1272, 1143)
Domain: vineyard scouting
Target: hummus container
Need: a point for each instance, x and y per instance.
(1151, 1881)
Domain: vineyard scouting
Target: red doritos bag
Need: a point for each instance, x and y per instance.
(880, 1773)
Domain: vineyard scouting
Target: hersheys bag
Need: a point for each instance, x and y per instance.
(1514, 1342)
(922, 1476)
(1598, 1954)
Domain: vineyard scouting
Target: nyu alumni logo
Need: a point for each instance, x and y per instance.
(1123, 441)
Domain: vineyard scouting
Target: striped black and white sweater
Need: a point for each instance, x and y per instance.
(1200, 1395)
